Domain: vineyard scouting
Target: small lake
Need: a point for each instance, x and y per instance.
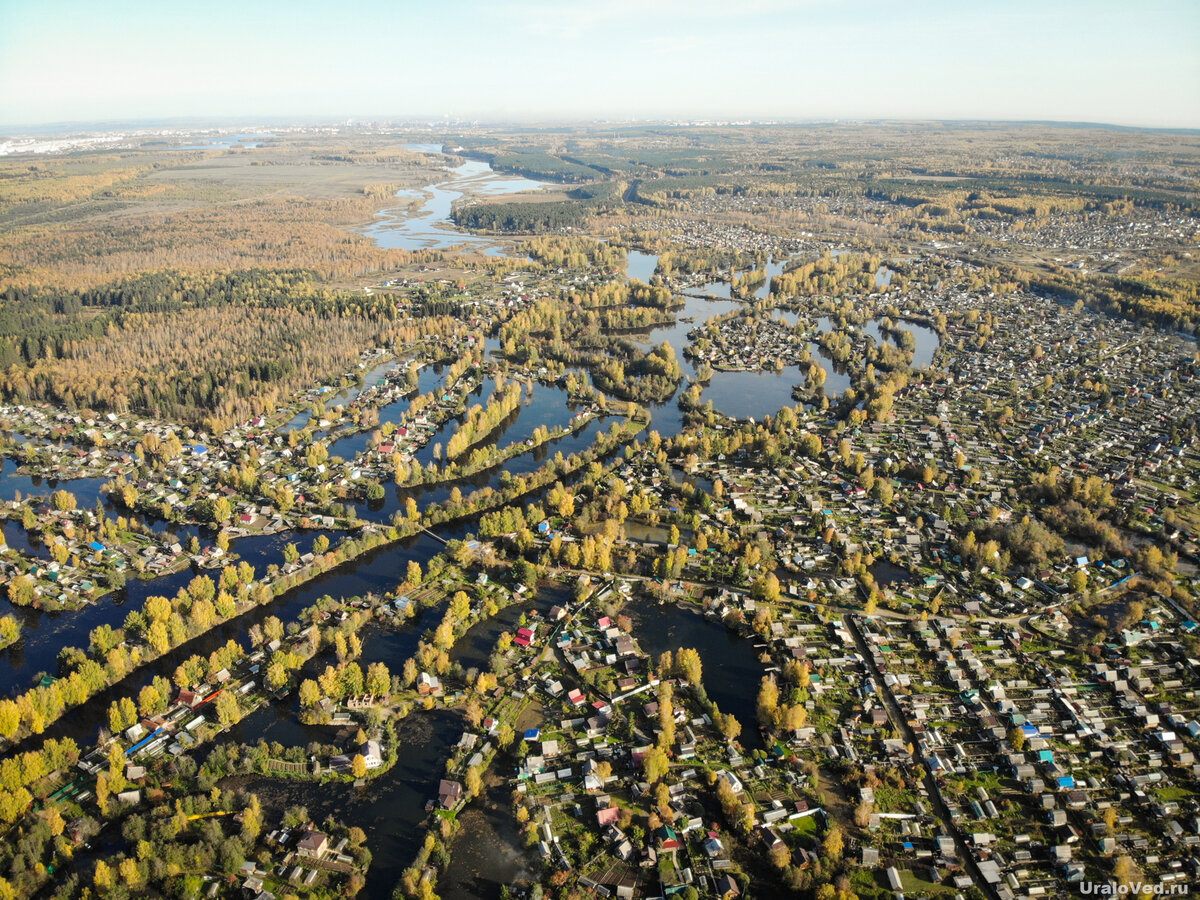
(724, 290)
(927, 340)
(640, 266)
(12, 483)
(731, 671)
(744, 395)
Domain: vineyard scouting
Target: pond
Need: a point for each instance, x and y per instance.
(641, 266)
(731, 671)
(927, 340)
(888, 575)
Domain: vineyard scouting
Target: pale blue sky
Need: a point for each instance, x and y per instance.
(1129, 62)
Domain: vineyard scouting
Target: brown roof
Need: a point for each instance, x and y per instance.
(313, 841)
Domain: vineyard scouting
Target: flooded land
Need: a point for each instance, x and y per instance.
(729, 510)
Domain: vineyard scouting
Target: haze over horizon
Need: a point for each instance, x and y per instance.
(1106, 62)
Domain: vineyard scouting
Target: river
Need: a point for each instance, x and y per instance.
(429, 227)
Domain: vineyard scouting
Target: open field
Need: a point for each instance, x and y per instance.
(79, 221)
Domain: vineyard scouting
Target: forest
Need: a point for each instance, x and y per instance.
(540, 216)
(213, 348)
(86, 220)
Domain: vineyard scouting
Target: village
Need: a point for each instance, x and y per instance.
(932, 635)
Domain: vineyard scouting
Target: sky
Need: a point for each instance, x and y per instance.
(1125, 62)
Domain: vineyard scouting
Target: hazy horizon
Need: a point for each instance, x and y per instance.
(1107, 63)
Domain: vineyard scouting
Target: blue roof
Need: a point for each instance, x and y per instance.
(199, 448)
(532, 734)
(1066, 782)
(1030, 730)
(96, 545)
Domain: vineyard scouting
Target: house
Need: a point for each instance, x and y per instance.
(666, 840)
(449, 793)
(372, 752)
(727, 887)
(608, 816)
(427, 684)
(313, 845)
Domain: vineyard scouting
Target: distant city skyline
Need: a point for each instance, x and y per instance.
(1121, 63)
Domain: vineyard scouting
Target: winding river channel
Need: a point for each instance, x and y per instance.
(429, 226)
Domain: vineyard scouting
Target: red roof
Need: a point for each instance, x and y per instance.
(608, 815)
